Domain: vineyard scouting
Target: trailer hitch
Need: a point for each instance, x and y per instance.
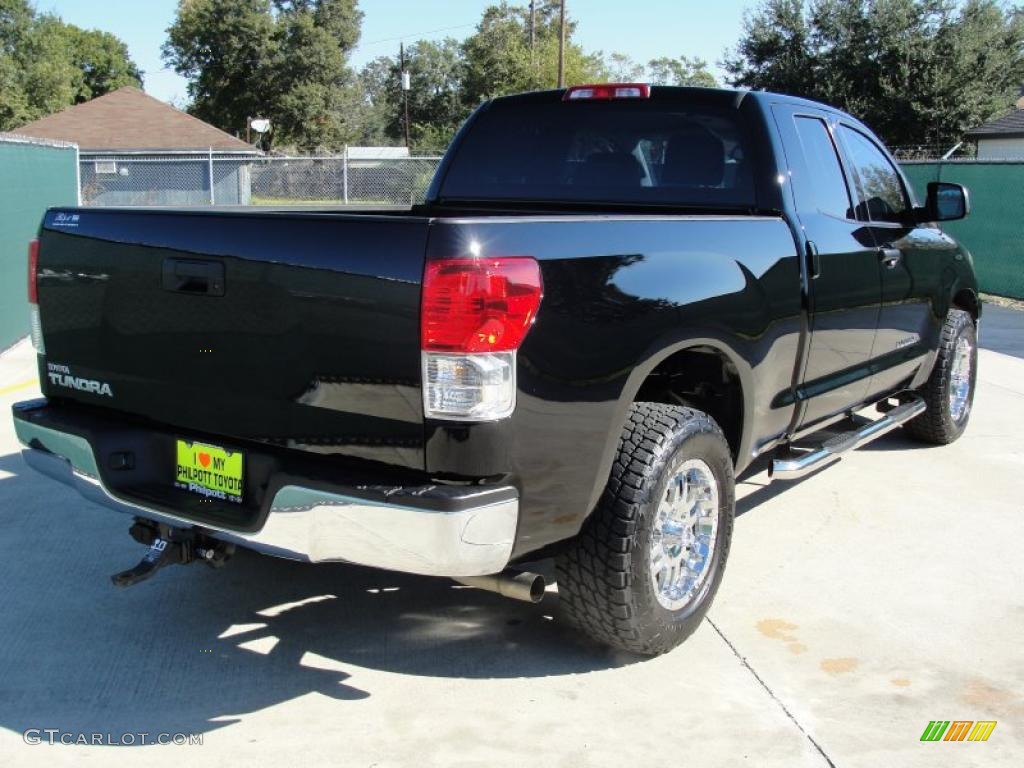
(170, 546)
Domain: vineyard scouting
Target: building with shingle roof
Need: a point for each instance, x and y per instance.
(138, 150)
(130, 120)
(1002, 138)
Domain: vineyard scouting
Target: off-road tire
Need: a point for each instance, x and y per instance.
(605, 586)
(937, 425)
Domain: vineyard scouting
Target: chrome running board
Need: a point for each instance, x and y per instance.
(833, 448)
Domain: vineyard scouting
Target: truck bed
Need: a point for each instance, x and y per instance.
(312, 342)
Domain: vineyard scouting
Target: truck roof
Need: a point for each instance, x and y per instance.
(721, 97)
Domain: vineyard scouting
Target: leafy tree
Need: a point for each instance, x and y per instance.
(14, 104)
(47, 65)
(918, 71)
(312, 81)
(282, 59)
(621, 68)
(376, 114)
(436, 105)
(775, 50)
(225, 48)
(986, 46)
(104, 63)
(341, 19)
(499, 59)
(48, 79)
(449, 79)
(15, 19)
(681, 71)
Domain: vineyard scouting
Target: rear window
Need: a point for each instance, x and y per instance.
(632, 152)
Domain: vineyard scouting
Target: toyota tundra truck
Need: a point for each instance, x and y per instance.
(614, 299)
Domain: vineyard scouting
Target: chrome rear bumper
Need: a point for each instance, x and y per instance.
(316, 525)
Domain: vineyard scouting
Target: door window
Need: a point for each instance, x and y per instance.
(881, 195)
(825, 181)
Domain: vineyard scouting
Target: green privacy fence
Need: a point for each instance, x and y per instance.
(34, 175)
(994, 232)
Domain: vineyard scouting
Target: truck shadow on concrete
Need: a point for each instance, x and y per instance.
(754, 487)
(195, 649)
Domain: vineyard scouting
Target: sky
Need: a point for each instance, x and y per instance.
(643, 30)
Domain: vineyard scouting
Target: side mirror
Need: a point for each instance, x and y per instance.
(946, 202)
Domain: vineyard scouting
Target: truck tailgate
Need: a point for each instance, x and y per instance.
(296, 329)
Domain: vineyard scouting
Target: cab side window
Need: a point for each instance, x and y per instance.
(825, 183)
(881, 194)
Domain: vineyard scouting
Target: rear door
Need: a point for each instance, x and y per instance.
(842, 266)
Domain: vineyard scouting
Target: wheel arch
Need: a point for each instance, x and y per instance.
(703, 377)
(662, 357)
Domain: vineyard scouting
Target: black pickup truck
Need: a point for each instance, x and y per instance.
(614, 299)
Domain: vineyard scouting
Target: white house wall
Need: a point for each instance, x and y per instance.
(1001, 149)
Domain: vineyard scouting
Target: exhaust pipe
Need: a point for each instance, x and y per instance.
(518, 585)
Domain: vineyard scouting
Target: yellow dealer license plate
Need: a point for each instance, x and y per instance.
(210, 471)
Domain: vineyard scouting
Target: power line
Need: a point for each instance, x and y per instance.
(411, 34)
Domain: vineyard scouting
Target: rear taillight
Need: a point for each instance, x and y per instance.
(608, 91)
(35, 323)
(479, 305)
(475, 314)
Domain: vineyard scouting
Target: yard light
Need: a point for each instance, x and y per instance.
(259, 124)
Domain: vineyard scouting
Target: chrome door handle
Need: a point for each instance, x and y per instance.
(891, 257)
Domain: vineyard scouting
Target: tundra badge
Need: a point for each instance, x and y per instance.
(61, 376)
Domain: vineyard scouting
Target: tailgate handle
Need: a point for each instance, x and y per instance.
(205, 278)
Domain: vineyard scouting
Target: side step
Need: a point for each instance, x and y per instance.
(833, 449)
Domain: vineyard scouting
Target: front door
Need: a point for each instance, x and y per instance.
(842, 261)
(910, 262)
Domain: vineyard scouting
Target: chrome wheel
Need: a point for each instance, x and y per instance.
(960, 379)
(685, 530)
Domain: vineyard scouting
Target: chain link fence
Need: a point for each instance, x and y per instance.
(964, 150)
(181, 179)
(212, 179)
(341, 181)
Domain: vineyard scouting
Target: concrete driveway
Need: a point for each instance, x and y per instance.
(858, 605)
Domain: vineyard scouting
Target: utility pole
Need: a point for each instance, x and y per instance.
(561, 44)
(405, 89)
(533, 31)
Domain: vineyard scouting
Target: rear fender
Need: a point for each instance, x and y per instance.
(655, 355)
